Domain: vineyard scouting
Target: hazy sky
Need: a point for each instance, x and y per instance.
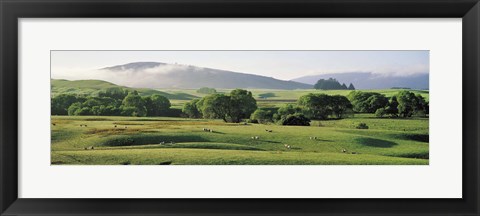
(283, 65)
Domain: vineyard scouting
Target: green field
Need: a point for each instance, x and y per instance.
(136, 140)
(182, 141)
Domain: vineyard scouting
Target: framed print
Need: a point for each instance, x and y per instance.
(252, 108)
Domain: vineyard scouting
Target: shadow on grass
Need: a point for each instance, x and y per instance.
(412, 136)
(323, 140)
(418, 137)
(372, 142)
(268, 141)
(420, 155)
(215, 132)
(143, 139)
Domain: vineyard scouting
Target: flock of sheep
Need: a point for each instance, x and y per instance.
(211, 131)
(208, 130)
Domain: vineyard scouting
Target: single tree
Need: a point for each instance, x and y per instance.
(242, 104)
(407, 103)
(295, 119)
(340, 105)
(215, 106)
(392, 108)
(133, 105)
(157, 105)
(261, 116)
(61, 103)
(380, 112)
(315, 106)
(351, 87)
(191, 110)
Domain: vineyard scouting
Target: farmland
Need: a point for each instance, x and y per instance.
(136, 140)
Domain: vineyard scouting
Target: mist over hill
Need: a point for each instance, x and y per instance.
(162, 75)
(368, 80)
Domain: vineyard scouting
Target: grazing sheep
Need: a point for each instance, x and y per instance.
(85, 125)
(253, 137)
(288, 147)
(257, 137)
(270, 131)
(85, 148)
(311, 137)
(54, 124)
(115, 125)
(245, 123)
(81, 125)
(344, 150)
(211, 131)
(171, 142)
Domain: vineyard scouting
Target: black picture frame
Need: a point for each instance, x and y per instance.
(12, 10)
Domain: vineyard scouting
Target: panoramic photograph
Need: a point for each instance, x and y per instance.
(239, 107)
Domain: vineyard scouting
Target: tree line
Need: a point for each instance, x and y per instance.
(111, 102)
(332, 84)
(404, 104)
(240, 104)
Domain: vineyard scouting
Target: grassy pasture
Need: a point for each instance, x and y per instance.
(136, 140)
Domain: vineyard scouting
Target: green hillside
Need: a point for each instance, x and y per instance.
(92, 87)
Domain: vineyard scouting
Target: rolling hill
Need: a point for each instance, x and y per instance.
(368, 80)
(162, 75)
(92, 87)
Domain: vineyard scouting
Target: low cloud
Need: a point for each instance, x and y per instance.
(397, 71)
(149, 77)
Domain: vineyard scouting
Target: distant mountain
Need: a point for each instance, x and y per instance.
(367, 80)
(162, 75)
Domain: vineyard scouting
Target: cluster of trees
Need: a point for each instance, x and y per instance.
(310, 106)
(239, 104)
(287, 115)
(233, 107)
(332, 84)
(206, 90)
(404, 104)
(111, 102)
